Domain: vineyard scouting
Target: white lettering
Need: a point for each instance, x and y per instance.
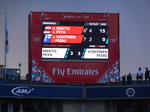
(50, 23)
(21, 91)
(60, 40)
(80, 71)
(61, 32)
(62, 28)
(93, 24)
(58, 71)
(66, 36)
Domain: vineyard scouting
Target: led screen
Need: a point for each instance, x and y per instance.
(75, 40)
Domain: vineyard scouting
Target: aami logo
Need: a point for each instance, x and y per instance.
(21, 91)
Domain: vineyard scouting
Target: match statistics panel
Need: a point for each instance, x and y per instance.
(75, 40)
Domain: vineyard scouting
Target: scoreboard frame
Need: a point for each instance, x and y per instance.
(75, 69)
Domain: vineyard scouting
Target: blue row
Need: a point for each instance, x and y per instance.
(118, 92)
(74, 92)
(38, 91)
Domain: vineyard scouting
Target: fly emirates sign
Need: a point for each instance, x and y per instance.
(71, 71)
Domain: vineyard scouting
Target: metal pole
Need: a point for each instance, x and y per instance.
(0, 106)
(21, 105)
(5, 45)
(10, 106)
(20, 64)
(83, 106)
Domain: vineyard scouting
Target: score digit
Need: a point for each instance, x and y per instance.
(103, 39)
(71, 52)
(90, 39)
(84, 30)
(84, 38)
(102, 30)
(90, 30)
(79, 53)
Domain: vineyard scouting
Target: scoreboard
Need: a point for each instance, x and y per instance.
(69, 47)
(75, 40)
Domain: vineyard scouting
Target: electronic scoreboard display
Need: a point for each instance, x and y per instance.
(70, 47)
(75, 40)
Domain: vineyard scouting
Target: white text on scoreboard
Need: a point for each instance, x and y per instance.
(53, 52)
(96, 54)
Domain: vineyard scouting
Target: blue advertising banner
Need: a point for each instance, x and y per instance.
(74, 92)
(118, 92)
(38, 91)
